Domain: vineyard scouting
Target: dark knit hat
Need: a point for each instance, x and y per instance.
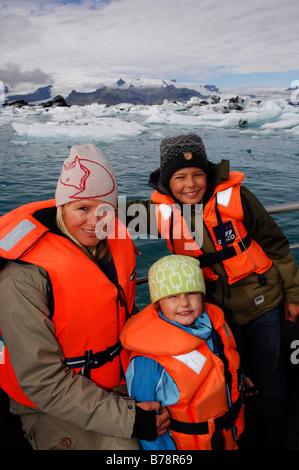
(180, 152)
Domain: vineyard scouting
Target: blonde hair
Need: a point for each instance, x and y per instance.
(95, 252)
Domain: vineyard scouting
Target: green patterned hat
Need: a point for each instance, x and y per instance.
(175, 274)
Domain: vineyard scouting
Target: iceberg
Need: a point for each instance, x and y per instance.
(103, 129)
(107, 123)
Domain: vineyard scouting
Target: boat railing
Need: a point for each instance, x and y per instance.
(284, 207)
(272, 209)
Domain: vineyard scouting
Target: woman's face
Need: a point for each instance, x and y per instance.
(88, 220)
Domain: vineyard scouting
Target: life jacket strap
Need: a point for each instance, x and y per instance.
(223, 422)
(94, 360)
(208, 259)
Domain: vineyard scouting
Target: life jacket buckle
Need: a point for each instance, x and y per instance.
(227, 422)
(211, 426)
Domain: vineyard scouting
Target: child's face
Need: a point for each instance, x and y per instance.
(183, 308)
(188, 185)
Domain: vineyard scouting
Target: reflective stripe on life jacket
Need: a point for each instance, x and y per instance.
(223, 215)
(173, 228)
(90, 310)
(201, 376)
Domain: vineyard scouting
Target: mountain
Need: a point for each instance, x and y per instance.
(43, 93)
(133, 95)
(113, 91)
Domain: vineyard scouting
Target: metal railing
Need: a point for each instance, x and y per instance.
(272, 209)
(285, 207)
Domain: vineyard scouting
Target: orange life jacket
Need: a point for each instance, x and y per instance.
(223, 214)
(200, 375)
(89, 311)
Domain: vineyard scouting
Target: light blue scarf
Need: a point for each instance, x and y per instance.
(201, 328)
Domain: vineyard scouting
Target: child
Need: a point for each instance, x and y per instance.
(183, 355)
(248, 268)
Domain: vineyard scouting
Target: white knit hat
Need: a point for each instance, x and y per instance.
(86, 174)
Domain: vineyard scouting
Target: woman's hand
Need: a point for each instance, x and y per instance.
(162, 415)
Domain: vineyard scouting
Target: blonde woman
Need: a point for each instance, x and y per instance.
(67, 289)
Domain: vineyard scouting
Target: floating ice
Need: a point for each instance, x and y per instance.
(104, 129)
(109, 123)
(282, 124)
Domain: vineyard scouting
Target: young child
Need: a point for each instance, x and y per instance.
(248, 268)
(183, 355)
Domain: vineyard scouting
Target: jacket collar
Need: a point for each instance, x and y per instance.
(47, 217)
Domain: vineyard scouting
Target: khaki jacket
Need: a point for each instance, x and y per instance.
(75, 404)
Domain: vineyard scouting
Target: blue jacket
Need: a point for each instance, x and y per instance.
(147, 380)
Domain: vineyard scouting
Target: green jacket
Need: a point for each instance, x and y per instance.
(239, 301)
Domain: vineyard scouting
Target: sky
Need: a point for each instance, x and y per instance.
(238, 43)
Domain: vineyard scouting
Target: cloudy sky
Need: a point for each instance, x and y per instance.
(221, 42)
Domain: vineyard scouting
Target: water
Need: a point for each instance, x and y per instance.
(35, 142)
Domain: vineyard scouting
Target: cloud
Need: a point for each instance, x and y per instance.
(13, 75)
(193, 39)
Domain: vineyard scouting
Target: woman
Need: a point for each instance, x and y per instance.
(66, 291)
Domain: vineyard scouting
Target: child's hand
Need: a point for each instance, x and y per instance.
(248, 389)
(291, 311)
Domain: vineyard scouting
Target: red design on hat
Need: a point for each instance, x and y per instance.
(77, 174)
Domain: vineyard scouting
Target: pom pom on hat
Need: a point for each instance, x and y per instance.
(86, 174)
(180, 152)
(175, 274)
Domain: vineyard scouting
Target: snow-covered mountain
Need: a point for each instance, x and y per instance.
(65, 85)
(74, 85)
(85, 90)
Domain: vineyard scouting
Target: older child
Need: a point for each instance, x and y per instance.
(246, 260)
(183, 355)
